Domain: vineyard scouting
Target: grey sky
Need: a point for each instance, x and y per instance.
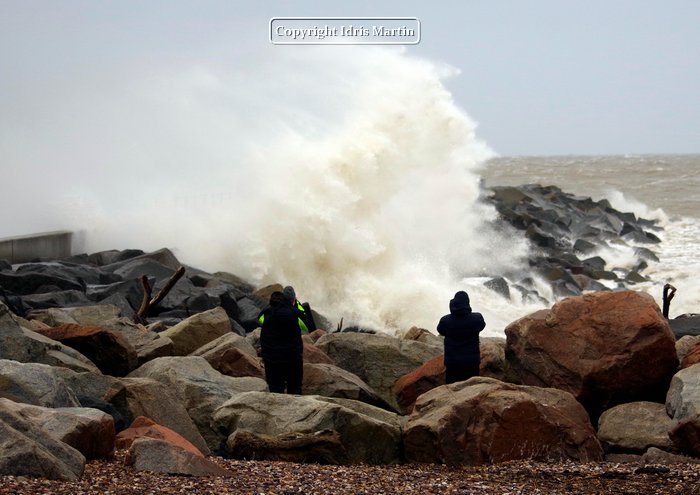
(540, 77)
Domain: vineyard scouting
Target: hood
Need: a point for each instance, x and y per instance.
(460, 303)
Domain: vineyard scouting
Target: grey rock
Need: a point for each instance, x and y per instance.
(365, 438)
(634, 427)
(33, 383)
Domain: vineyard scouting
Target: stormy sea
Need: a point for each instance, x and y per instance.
(356, 178)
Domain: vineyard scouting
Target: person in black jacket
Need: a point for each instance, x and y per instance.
(461, 330)
(282, 347)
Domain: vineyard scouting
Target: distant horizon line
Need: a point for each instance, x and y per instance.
(588, 155)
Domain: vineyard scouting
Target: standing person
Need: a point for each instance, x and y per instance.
(308, 318)
(282, 347)
(461, 330)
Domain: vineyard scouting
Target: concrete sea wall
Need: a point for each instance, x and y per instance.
(45, 245)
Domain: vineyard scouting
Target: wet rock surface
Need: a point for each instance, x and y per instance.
(566, 233)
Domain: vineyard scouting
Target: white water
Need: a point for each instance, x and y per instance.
(349, 173)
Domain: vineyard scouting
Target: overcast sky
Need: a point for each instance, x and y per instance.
(541, 77)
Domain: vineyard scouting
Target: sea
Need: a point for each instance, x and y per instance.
(665, 188)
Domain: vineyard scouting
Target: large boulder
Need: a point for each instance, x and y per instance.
(159, 402)
(605, 348)
(329, 380)
(109, 350)
(160, 456)
(33, 383)
(683, 397)
(483, 420)
(432, 374)
(27, 450)
(379, 360)
(634, 427)
(364, 438)
(198, 330)
(200, 388)
(19, 342)
(89, 431)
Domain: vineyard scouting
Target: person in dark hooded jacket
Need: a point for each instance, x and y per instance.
(282, 349)
(461, 330)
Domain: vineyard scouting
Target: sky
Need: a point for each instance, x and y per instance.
(542, 77)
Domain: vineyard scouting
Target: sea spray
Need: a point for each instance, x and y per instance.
(349, 173)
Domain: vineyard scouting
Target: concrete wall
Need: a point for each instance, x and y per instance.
(45, 245)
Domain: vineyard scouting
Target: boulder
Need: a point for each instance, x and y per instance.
(605, 348)
(109, 350)
(483, 420)
(317, 334)
(92, 315)
(18, 342)
(329, 380)
(160, 456)
(52, 298)
(31, 282)
(27, 450)
(79, 272)
(634, 427)
(688, 324)
(97, 391)
(364, 438)
(414, 384)
(89, 431)
(198, 330)
(126, 295)
(33, 383)
(683, 397)
(154, 400)
(493, 357)
(658, 456)
(425, 336)
(232, 355)
(686, 435)
(685, 344)
(249, 310)
(379, 360)
(144, 427)
(432, 374)
(147, 343)
(314, 355)
(692, 357)
(200, 388)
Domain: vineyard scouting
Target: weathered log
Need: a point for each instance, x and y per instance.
(148, 303)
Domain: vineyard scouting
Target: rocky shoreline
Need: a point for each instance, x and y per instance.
(130, 352)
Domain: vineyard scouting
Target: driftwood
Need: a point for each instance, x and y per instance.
(669, 292)
(148, 303)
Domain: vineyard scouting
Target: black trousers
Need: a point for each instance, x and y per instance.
(284, 376)
(460, 373)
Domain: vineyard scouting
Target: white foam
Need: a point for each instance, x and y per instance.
(349, 173)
